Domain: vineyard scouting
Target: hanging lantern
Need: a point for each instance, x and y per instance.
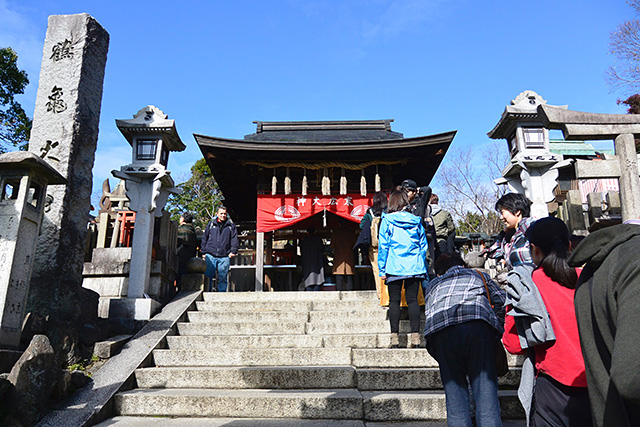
(363, 184)
(274, 183)
(305, 183)
(287, 183)
(377, 183)
(326, 183)
(343, 183)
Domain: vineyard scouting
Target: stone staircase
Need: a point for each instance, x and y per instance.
(283, 358)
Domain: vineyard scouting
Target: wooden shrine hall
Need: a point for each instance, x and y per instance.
(289, 176)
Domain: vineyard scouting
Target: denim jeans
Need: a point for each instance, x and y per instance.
(468, 350)
(218, 266)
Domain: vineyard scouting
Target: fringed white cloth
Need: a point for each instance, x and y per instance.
(343, 183)
(378, 184)
(305, 184)
(274, 184)
(287, 183)
(363, 184)
(326, 183)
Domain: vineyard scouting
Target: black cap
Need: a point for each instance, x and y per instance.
(409, 184)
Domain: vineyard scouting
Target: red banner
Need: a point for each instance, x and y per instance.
(275, 212)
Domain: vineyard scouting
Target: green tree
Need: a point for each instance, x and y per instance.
(15, 125)
(200, 196)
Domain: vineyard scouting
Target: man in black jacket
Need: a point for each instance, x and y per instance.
(219, 245)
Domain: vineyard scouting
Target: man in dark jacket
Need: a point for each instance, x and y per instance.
(608, 308)
(187, 245)
(219, 245)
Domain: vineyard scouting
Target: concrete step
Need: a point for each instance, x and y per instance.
(303, 404)
(424, 405)
(255, 357)
(416, 379)
(248, 306)
(348, 304)
(249, 328)
(343, 404)
(354, 314)
(404, 358)
(290, 296)
(250, 316)
(354, 326)
(269, 422)
(156, 421)
(245, 341)
(272, 377)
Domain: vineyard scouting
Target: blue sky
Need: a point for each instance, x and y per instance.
(432, 65)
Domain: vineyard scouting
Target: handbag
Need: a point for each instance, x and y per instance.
(502, 367)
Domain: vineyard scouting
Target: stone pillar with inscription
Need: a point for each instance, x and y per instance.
(23, 182)
(65, 133)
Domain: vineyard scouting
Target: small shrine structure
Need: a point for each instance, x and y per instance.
(289, 175)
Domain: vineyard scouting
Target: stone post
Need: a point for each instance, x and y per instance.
(65, 133)
(629, 183)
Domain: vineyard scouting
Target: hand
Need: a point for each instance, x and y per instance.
(204, 257)
(384, 277)
(232, 255)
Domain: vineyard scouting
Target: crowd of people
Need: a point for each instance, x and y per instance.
(569, 306)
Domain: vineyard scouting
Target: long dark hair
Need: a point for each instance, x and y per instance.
(397, 201)
(551, 236)
(379, 203)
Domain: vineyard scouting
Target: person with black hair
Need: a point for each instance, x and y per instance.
(462, 327)
(512, 244)
(560, 395)
(402, 262)
(219, 245)
(370, 225)
(187, 245)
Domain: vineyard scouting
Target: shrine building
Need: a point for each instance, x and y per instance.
(289, 176)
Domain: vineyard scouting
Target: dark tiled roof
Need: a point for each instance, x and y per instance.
(325, 135)
(326, 131)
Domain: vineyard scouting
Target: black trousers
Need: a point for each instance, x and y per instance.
(555, 404)
(411, 295)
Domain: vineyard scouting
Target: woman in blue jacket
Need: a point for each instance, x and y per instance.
(402, 251)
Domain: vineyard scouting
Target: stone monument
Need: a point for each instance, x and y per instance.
(24, 178)
(65, 133)
(148, 182)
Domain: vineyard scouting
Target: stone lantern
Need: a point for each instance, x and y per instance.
(152, 136)
(533, 169)
(24, 177)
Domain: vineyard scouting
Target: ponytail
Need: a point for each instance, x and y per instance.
(551, 236)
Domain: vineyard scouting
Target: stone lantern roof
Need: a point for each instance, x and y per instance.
(524, 108)
(20, 160)
(150, 120)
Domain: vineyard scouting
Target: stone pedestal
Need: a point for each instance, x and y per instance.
(65, 133)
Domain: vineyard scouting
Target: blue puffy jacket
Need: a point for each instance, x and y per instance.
(402, 245)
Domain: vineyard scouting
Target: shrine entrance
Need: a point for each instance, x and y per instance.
(291, 176)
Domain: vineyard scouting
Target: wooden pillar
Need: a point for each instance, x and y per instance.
(268, 258)
(259, 260)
